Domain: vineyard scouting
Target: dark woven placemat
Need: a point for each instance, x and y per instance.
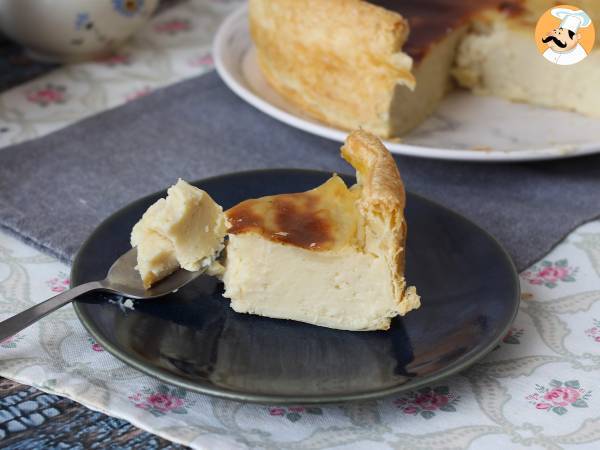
(56, 189)
(31, 419)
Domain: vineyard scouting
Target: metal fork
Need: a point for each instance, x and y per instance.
(122, 279)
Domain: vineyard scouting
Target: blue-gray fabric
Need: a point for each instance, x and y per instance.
(56, 189)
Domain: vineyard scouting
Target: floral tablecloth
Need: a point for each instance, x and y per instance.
(537, 389)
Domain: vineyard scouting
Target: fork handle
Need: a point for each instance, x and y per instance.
(12, 326)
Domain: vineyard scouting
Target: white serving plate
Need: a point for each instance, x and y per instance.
(465, 127)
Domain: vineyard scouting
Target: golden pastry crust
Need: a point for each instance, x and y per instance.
(349, 63)
(377, 172)
(337, 60)
(381, 204)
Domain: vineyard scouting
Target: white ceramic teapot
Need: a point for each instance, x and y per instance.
(72, 30)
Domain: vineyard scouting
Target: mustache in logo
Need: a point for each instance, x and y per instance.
(556, 41)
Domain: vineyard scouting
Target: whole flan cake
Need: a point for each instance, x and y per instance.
(385, 65)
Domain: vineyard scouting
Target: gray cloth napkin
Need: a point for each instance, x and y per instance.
(56, 189)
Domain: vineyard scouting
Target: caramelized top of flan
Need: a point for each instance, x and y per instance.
(324, 218)
(431, 20)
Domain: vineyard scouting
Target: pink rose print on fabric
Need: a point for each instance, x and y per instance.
(562, 396)
(138, 93)
(59, 283)
(115, 60)
(549, 274)
(431, 401)
(162, 401)
(594, 332)
(173, 26)
(47, 95)
(95, 346)
(426, 402)
(294, 413)
(11, 341)
(558, 397)
(201, 61)
(513, 336)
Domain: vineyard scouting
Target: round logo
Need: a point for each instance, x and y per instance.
(565, 35)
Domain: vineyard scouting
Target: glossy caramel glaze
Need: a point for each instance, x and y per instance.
(431, 20)
(320, 219)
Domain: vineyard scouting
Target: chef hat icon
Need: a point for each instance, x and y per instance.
(572, 20)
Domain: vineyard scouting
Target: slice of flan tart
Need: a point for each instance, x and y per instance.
(332, 256)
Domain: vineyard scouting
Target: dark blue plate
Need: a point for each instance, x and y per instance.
(468, 285)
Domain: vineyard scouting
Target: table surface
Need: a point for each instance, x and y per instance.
(537, 389)
(30, 418)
